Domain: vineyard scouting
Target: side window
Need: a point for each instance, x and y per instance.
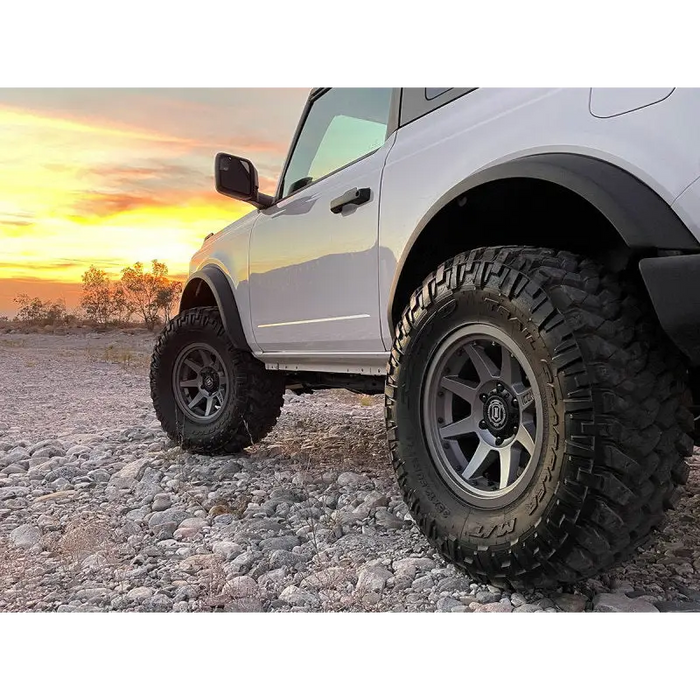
(419, 100)
(342, 125)
(432, 93)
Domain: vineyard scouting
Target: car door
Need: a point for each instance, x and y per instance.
(313, 254)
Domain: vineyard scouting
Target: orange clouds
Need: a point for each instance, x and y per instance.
(109, 177)
(12, 117)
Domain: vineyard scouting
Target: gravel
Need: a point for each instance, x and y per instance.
(100, 511)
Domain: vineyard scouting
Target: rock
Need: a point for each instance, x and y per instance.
(282, 557)
(49, 451)
(352, 479)
(128, 476)
(376, 500)
(518, 599)
(296, 596)
(411, 565)
(619, 602)
(25, 536)
(570, 602)
(287, 542)
(161, 501)
(189, 527)
(453, 584)
(423, 583)
(227, 550)
(14, 469)
(138, 515)
(385, 519)
(244, 562)
(527, 608)
(485, 597)
(677, 606)
(372, 579)
(241, 587)
(448, 603)
(171, 515)
(196, 562)
(13, 492)
(18, 454)
(500, 606)
(140, 594)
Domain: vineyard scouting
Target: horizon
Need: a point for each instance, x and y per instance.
(114, 176)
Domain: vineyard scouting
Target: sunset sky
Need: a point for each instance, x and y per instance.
(114, 176)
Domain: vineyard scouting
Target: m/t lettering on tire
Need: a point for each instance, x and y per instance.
(499, 530)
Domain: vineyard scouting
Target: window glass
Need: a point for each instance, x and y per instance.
(343, 125)
(432, 93)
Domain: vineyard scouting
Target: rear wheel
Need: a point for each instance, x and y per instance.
(208, 396)
(536, 415)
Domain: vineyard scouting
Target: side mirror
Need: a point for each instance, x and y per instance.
(237, 177)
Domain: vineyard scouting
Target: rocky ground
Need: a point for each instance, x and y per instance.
(99, 511)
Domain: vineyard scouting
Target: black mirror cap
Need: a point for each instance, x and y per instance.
(237, 178)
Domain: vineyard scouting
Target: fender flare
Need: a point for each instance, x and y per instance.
(217, 282)
(643, 219)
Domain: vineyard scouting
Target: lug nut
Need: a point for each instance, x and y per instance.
(515, 402)
(483, 397)
(499, 386)
(482, 424)
(499, 440)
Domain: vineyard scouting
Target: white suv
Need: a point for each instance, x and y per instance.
(516, 269)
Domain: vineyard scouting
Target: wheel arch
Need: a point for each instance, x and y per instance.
(640, 218)
(210, 286)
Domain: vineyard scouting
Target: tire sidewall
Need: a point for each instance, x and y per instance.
(454, 515)
(171, 347)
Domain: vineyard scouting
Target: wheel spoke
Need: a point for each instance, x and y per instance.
(525, 436)
(210, 403)
(525, 396)
(510, 367)
(510, 461)
(196, 400)
(189, 383)
(458, 428)
(206, 357)
(193, 366)
(460, 388)
(482, 362)
(222, 379)
(478, 462)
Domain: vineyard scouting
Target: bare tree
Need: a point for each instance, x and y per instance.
(150, 292)
(34, 311)
(97, 299)
(167, 296)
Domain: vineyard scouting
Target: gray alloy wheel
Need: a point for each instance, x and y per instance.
(200, 382)
(482, 415)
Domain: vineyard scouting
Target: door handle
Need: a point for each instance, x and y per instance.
(355, 196)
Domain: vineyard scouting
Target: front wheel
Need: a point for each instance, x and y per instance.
(209, 397)
(535, 414)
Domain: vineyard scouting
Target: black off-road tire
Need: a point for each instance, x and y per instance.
(252, 405)
(614, 394)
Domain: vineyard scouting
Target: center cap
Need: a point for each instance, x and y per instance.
(496, 413)
(209, 381)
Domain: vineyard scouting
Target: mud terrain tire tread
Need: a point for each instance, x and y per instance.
(626, 428)
(253, 408)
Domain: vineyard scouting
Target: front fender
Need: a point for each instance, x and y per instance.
(209, 286)
(643, 219)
